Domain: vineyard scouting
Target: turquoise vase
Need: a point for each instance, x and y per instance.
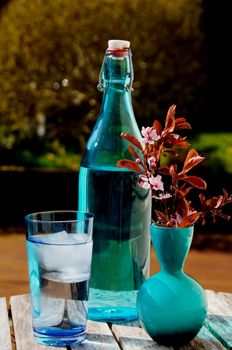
(172, 306)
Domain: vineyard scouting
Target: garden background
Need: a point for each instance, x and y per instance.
(50, 57)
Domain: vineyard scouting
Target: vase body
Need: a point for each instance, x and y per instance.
(121, 233)
(171, 305)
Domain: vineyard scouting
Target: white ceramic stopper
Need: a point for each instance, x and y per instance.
(118, 44)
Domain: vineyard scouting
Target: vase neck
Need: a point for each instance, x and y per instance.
(171, 246)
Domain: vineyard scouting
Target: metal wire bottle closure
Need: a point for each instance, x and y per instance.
(101, 85)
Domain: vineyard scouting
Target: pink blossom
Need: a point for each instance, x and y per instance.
(150, 135)
(151, 162)
(163, 196)
(143, 182)
(138, 161)
(156, 183)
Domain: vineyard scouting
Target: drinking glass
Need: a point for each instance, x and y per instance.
(59, 249)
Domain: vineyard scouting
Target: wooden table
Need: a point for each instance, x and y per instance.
(16, 330)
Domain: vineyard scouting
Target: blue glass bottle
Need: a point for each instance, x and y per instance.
(121, 253)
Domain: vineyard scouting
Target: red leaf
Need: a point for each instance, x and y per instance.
(176, 141)
(192, 159)
(162, 218)
(202, 198)
(132, 139)
(190, 220)
(173, 169)
(191, 153)
(227, 198)
(170, 120)
(133, 152)
(129, 164)
(224, 216)
(180, 123)
(182, 143)
(180, 120)
(164, 170)
(157, 126)
(214, 202)
(195, 181)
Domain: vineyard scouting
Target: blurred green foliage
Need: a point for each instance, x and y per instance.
(217, 149)
(51, 54)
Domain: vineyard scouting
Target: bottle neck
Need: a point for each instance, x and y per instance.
(117, 71)
(105, 145)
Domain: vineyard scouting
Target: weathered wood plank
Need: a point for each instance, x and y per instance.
(135, 338)
(5, 339)
(204, 341)
(219, 320)
(21, 317)
(130, 337)
(219, 303)
(99, 334)
(99, 337)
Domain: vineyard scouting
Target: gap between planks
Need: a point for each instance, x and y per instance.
(5, 334)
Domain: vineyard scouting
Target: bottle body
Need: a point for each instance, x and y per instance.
(121, 252)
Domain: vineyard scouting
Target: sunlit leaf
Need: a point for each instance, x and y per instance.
(180, 123)
(195, 181)
(157, 126)
(190, 220)
(133, 152)
(191, 153)
(191, 160)
(170, 120)
(214, 202)
(132, 139)
(129, 164)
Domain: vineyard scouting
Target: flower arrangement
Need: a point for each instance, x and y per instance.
(170, 185)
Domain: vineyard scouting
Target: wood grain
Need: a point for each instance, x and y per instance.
(5, 338)
(21, 316)
(130, 337)
(204, 340)
(219, 320)
(135, 338)
(99, 336)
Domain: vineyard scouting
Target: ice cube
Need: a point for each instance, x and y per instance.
(80, 238)
(66, 259)
(52, 238)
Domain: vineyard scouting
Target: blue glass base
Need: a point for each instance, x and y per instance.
(107, 314)
(54, 336)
